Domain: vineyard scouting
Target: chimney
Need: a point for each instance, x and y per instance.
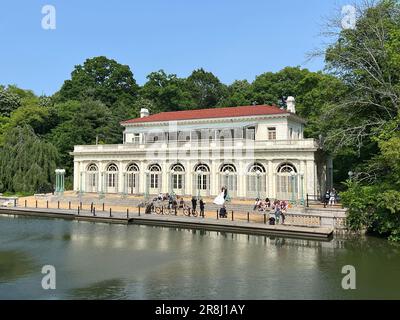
(291, 105)
(144, 112)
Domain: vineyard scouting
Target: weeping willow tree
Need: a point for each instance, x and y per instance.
(27, 163)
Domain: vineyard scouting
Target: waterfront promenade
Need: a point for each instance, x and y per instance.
(125, 210)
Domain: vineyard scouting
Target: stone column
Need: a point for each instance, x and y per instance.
(76, 175)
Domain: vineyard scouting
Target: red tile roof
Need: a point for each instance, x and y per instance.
(209, 114)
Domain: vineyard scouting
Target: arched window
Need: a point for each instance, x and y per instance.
(228, 177)
(133, 168)
(286, 168)
(92, 167)
(202, 172)
(177, 176)
(256, 180)
(92, 175)
(155, 171)
(112, 176)
(287, 182)
(133, 178)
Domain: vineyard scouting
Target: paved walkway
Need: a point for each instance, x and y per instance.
(255, 225)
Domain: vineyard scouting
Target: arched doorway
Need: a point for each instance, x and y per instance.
(201, 185)
(228, 178)
(92, 178)
(155, 179)
(133, 178)
(112, 178)
(178, 179)
(256, 181)
(287, 182)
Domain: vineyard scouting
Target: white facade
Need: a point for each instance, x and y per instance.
(255, 155)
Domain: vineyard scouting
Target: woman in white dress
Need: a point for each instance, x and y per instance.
(220, 199)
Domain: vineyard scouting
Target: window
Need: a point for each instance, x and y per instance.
(177, 181)
(155, 171)
(203, 174)
(112, 170)
(271, 133)
(178, 172)
(133, 170)
(136, 138)
(251, 133)
(228, 177)
(154, 181)
(256, 180)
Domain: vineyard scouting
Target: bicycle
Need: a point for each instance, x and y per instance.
(188, 212)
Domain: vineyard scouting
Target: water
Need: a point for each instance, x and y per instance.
(101, 261)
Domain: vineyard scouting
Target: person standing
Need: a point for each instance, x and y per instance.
(201, 208)
(194, 204)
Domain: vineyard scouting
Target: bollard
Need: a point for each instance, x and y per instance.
(176, 212)
(162, 210)
(232, 215)
(94, 211)
(139, 211)
(78, 210)
(248, 217)
(36, 203)
(47, 204)
(58, 204)
(103, 207)
(110, 213)
(25, 203)
(69, 205)
(265, 219)
(80, 205)
(127, 213)
(217, 215)
(91, 207)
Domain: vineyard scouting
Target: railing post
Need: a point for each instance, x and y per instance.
(265, 218)
(58, 204)
(139, 211)
(25, 203)
(80, 205)
(103, 206)
(307, 201)
(248, 217)
(47, 204)
(78, 210)
(94, 211)
(91, 207)
(162, 209)
(110, 213)
(232, 215)
(36, 203)
(217, 215)
(176, 212)
(127, 213)
(69, 205)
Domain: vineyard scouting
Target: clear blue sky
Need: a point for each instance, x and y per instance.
(233, 39)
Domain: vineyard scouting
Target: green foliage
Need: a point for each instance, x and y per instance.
(100, 79)
(9, 101)
(27, 163)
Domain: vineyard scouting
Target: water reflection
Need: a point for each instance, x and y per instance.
(14, 265)
(101, 261)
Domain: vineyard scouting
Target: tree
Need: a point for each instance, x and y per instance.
(239, 93)
(9, 101)
(27, 163)
(100, 79)
(205, 88)
(367, 60)
(81, 123)
(167, 92)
